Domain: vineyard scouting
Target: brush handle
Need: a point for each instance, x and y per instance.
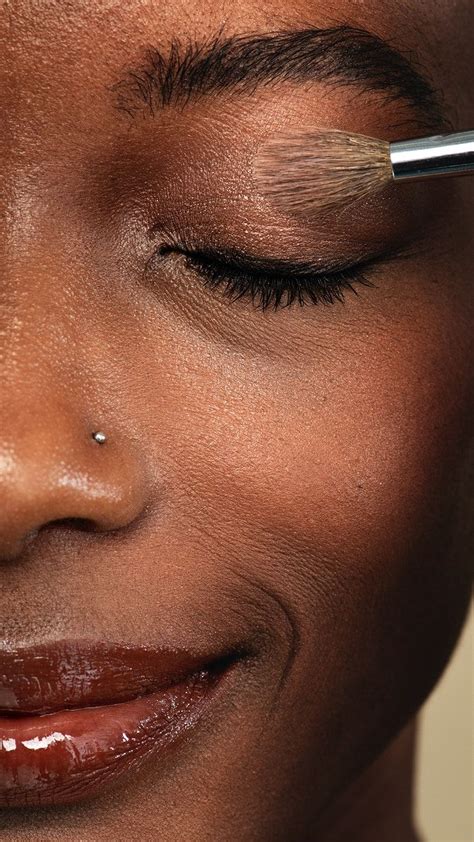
(431, 157)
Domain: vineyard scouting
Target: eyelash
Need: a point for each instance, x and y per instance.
(279, 288)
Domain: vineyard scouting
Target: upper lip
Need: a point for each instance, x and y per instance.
(74, 674)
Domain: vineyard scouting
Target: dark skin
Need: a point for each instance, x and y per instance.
(299, 479)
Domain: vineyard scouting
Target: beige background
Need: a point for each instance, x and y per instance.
(445, 761)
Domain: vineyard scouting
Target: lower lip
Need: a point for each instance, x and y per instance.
(62, 757)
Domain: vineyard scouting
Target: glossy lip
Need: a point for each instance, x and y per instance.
(76, 717)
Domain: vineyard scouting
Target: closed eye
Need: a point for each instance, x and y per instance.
(273, 282)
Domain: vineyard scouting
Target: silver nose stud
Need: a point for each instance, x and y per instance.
(99, 437)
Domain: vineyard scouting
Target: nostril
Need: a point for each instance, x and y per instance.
(22, 543)
(30, 537)
(68, 494)
(80, 524)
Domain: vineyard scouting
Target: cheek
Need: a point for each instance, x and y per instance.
(346, 478)
(360, 460)
(341, 492)
(337, 487)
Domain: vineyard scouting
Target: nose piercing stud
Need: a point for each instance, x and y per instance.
(99, 437)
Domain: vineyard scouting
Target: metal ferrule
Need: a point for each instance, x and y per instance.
(429, 157)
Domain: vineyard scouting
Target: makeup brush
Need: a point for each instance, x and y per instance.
(307, 172)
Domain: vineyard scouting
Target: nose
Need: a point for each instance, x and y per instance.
(53, 473)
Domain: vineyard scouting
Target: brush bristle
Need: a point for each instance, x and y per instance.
(311, 172)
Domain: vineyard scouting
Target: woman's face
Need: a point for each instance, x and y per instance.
(290, 485)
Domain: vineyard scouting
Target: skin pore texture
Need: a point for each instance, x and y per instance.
(300, 480)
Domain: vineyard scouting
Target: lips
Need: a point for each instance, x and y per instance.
(75, 718)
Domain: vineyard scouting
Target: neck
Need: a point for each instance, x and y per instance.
(378, 806)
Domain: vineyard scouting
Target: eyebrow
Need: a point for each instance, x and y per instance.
(342, 55)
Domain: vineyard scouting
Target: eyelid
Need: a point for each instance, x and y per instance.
(278, 282)
(278, 267)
